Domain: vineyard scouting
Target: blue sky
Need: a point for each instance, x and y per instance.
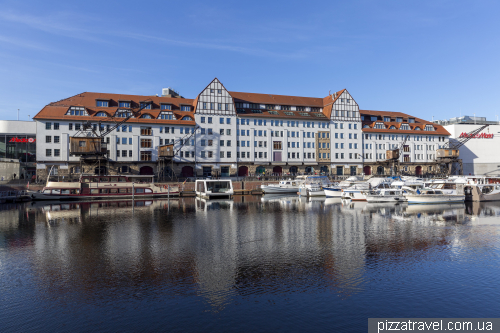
(426, 58)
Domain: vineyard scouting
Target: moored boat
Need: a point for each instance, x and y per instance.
(214, 188)
(105, 187)
(284, 186)
(386, 195)
(431, 196)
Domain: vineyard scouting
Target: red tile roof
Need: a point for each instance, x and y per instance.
(420, 123)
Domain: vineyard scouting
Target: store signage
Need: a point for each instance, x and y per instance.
(23, 140)
(477, 136)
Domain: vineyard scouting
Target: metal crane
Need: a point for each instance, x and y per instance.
(447, 157)
(393, 156)
(166, 154)
(89, 142)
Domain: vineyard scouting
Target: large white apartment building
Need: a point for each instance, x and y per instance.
(234, 133)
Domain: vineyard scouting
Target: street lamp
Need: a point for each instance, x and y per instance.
(362, 162)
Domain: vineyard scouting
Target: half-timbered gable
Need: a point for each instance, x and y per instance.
(215, 100)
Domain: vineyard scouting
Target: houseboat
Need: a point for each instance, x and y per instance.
(105, 187)
(214, 188)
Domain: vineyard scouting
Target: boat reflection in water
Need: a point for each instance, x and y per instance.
(225, 262)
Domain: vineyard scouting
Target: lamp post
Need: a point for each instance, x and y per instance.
(362, 162)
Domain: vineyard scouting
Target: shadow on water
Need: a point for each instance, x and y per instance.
(253, 263)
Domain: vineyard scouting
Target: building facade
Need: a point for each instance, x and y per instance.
(478, 153)
(17, 149)
(227, 133)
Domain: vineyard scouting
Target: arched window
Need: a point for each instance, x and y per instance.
(146, 116)
(417, 128)
(186, 118)
(101, 114)
(392, 127)
(366, 126)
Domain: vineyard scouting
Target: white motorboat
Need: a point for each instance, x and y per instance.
(214, 188)
(386, 195)
(334, 191)
(284, 186)
(313, 186)
(482, 192)
(358, 191)
(431, 196)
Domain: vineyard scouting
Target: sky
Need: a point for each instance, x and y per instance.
(431, 59)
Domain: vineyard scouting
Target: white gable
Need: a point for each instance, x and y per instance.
(215, 99)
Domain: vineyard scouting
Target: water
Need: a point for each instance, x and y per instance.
(252, 264)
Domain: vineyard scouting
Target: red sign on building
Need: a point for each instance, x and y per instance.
(23, 140)
(477, 136)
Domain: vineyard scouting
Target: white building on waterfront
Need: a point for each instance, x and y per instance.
(234, 133)
(478, 155)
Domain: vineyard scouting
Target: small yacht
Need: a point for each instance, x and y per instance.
(386, 195)
(334, 191)
(482, 192)
(431, 196)
(284, 186)
(214, 188)
(358, 191)
(313, 186)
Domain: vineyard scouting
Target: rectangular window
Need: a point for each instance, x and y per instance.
(221, 131)
(228, 143)
(221, 143)
(202, 120)
(203, 154)
(185, 108)
(228, 132)
(221, 154)
(124, 153)
(146, 143)
(48, 152)
(124, 141)
(57, 152)
(209, 120)
(48, 139)
(210, 154)
(145, 156)
(146, 130)
(221, 121)
(102, 103)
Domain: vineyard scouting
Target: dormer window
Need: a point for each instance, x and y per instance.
(186, 118)
(392, 127)
(315, 109)
(123, 113)
(146, 116)
(300, 108)
(429, 128)
(145, 105)
(273, 112)
(366, 126)
(387, 119)
(304, 114)
(166, 106)
(399, 119)
(124, 104)
(101, 114)
(417, 128)
(379, 125)
(405, 127)
(77, 111)
(285, 107)
(166, 115)
(373, 118)
(411, 120)
(289, 113)
(185, 108)
(362, 118)
(104, 104)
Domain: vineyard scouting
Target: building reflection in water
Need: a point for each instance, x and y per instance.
(222, 249)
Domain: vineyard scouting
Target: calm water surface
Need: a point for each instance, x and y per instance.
(252, 264)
